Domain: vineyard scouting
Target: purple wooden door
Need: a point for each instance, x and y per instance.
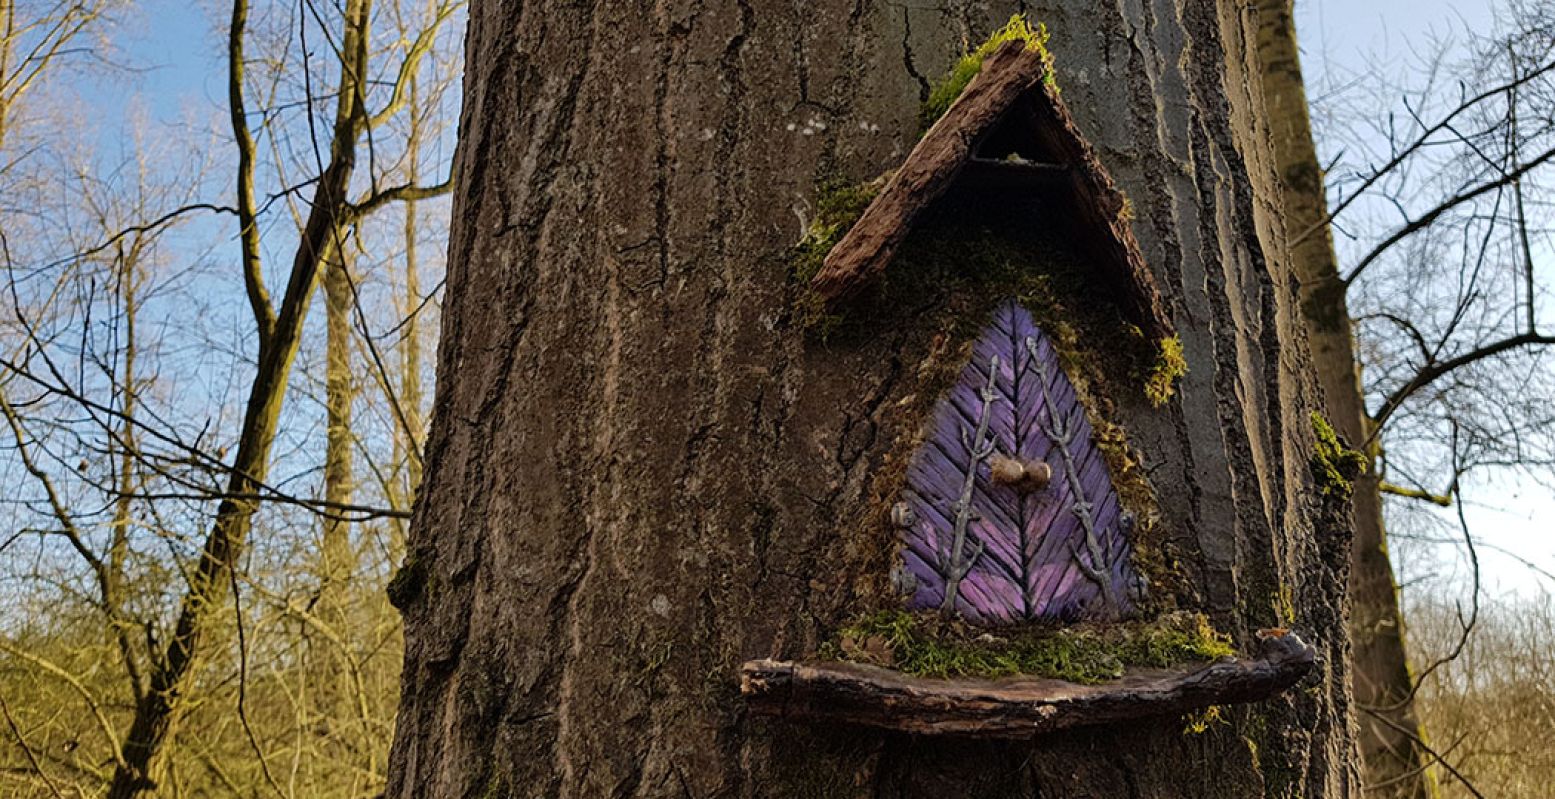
(1008, 506)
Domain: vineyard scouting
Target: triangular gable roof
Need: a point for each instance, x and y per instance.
(1008, 97)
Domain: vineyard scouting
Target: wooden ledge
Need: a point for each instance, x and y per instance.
(986, 173)
(1013, 707)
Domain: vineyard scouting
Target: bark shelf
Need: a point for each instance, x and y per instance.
(1015, 707)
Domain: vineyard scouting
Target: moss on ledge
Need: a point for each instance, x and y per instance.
(945, 92)
(926, 645)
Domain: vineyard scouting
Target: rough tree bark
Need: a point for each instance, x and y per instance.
(1380, 667)
(641, 472)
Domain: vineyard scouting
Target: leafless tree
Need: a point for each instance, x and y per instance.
(1438, 208)
(168, 458)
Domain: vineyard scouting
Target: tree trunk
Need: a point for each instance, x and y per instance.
(331, 667)
(337, 560)
(177, 660)
(409, 434)
(1381, 676)
(641, 471)
(112, 575)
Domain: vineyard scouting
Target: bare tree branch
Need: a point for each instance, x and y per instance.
(1402, 156)
(1432, 372)
(1429, 218)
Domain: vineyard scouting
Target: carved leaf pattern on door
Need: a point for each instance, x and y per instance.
(1002, 554)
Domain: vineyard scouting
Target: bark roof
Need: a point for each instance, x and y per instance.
(1008, 130)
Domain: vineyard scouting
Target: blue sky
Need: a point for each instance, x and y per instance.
(172, 67)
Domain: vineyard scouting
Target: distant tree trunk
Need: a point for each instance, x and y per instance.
(410, 364)
(279, 335)
(112, 576)
(332, 668)
(1382, 681)
(642, 472)
(336, 558)
(7, 44)
(410, 434)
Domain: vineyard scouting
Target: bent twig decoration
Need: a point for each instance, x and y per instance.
(1060, 430)
(953, 564)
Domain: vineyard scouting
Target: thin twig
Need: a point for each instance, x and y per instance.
(5, 707)
(248, 730)
(1425, 747)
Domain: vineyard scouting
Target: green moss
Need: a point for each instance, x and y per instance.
(838, 204)
(1169, 367)
(944, 93)
(1200, 721)
(656, 658)
(1334, 466)
(929, 646)
(1285, 605)
(495, 787)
